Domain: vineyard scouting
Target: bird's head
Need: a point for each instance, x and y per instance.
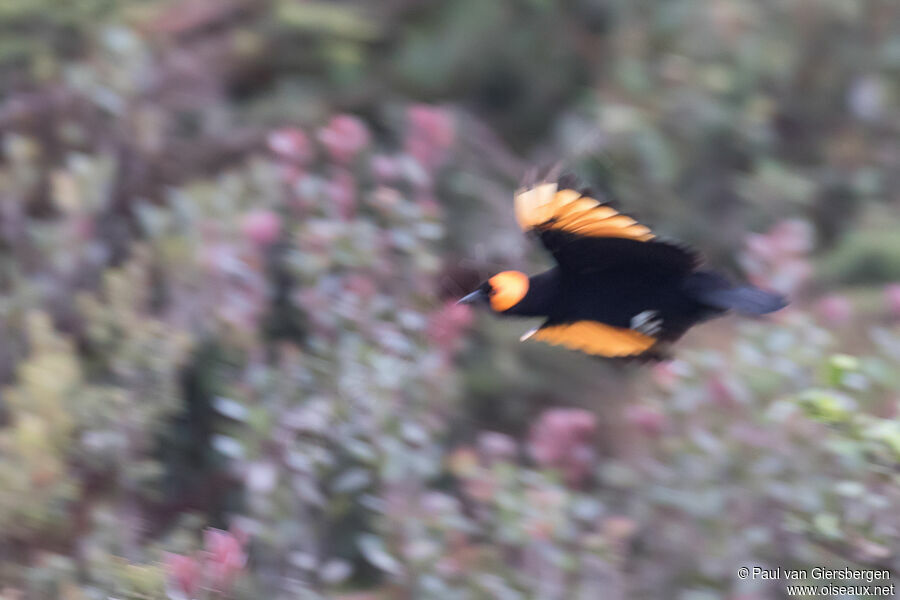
(501, 292)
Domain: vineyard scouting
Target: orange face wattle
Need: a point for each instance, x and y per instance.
(507, 289)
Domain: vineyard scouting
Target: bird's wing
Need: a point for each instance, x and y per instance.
(593, 337)
(586, 235)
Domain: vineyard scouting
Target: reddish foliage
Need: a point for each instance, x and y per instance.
(430, 134)
(892, 299)
(261, 227)
(646, 419)
(562, 438)
(185, 574)
(835, 309)
(447, 324)
(344, 137)
(215, 568)
(290, 144)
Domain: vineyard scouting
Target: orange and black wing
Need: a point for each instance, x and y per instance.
(593, 337)
(595, 245)
(585, 235)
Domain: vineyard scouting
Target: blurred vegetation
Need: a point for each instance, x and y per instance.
(232, 232)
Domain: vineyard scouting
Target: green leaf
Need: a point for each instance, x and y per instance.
(826, 406)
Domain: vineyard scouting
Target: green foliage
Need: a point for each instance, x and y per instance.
(33, 471)
(868, 257)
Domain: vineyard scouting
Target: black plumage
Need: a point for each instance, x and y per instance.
(616, 290)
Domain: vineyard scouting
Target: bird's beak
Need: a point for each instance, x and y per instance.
(476, 297)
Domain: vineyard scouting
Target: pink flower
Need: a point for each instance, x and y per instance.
(751, 435)
(667, 374)
(342, 190)
(447, 324)
(361, 286)
(562, 438)
(215, 568)
(792, 236)
(835, 309)
(779, 258)
(184, 573)
(225, 557)
(431, 133)
(290, 174)
(433, 123)
(291, 144)
(760, 246)
(344, 137)
(215, 257)
(385, 168)
(892, 297)
(83, 228)
(496, 446)
(791, 274)
(262, 227)
(720, 392)
(646, 419)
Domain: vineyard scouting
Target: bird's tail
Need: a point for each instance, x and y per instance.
(716, 291)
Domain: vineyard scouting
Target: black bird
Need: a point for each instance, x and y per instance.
(616, 291)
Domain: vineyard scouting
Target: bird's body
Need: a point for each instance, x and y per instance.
(616, 291)
(613, 297)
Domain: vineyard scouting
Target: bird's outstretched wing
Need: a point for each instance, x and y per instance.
(585, 235)
(547, 206)
(593, 337)
(594, 243)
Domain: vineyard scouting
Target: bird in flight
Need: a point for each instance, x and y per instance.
(616, 290)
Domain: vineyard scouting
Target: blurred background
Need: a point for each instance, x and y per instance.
(231, 237)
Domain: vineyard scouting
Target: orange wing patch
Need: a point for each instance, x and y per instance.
(547, 207)
(593, 337)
